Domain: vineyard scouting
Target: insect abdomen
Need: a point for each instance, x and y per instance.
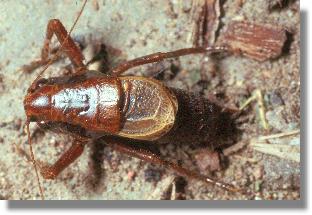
(198, 121)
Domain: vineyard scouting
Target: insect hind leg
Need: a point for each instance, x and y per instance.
(118, 145)
(159, 56)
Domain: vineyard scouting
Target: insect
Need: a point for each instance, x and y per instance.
(118, 109)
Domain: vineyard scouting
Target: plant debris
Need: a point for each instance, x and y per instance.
(257, 96)
(207, 23)
(256, 41)
(285, 151)
(163, 187)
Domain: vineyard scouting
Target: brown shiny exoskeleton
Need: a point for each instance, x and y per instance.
(90, 105)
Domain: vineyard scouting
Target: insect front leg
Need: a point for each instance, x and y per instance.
(51, 172)
(68, 46)
(159, 56)
(148, 156)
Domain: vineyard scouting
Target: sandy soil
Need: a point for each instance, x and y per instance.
(131, 29)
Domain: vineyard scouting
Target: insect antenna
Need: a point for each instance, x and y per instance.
(33, 159)
(32, 87)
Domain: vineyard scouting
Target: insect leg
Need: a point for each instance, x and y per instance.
(159, 56)
(155, 159)
(51, 172)
(68, 46)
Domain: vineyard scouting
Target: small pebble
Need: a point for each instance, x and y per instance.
(258, 172)
(208, 161)
(275, 98)
(152, 175)
(131, 175)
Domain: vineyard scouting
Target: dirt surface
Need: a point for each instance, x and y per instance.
(132, 29)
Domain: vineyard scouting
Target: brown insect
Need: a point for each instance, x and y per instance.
(90, 105)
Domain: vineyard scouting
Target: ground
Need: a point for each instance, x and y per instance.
(132, 29)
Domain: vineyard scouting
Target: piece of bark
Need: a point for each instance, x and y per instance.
(256, 41)
(205, 32)
(207, 23)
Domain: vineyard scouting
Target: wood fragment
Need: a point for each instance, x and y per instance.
(256, 41)
(279, 135)
(206, 14)
(235, 148)
(257, 96)
(262, 110)
(162, 187)
(283, 151)
(207, 22)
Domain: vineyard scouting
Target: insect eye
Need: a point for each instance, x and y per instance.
(41, 82)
